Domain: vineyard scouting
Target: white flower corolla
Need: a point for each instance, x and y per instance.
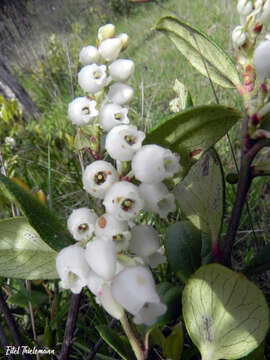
(92, 78)
(125, 40)
(264, 18)
(134, 289)
(10, 141)
(239, 36)
(123, 201)
(157, 199)
(72, 268)
(98, 177)
(261, 60)
(145, 243)
(82, 111)
(149, 313)
(109, 49)
(81, 223)
(101, 255)
(108, 302)
(123, 141)
(94, 282)
(244, 7)
(120, 93)
(108, 227)
(153, 163)
(106, 31)
(89, 55)
(121, 69)
(111, 115)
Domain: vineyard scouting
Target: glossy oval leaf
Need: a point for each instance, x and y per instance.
(200, 50)
(172, 298)
(174, 343)
(38, 215)
(201, 195)
(226, 315)
(23, 254)
(183, 248)
(192, 132)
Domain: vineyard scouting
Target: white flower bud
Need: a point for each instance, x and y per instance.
(109, 49)
(134, 289)
(110, 228)
(120, 93)
(106, 31)
(92, 78)
(123, 201)
(101, 255)
(125, 40)
(239, 36)
(261, 60)
(82, 111)
(10, 141)
(153, 164)
(72, 268)
(145, 243)
(89, 55)
(157, 199)
(123, 141)
(81, 223)
(244, 7)
(98, 177)
(121, 69)
(108, 302)
(111, 115)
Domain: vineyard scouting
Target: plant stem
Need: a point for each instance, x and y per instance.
(134, 342)
(245, 179)
(70, 326)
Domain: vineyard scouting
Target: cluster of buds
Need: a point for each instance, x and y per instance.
(253, 61)
(113, 255)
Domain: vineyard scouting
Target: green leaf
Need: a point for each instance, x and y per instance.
(158, 337)
(22, 298)
(174, 343)
(192, 132)
(257, 354)
(39, 216)
(261, 163)
(201, 195)
(226, 315)
(183, 99)
(81, 141)
(200, 50)
(260, 262)
(171, 298)
(183, 247)
(116, 342)
(23, 254)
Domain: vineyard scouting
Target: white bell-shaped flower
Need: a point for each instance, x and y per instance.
(72, 268)
(82, 111)
(134, 289)
(89, 55)
(123, 141)
(265, 14)
(244, 7)
(239, 36)
(153, 163)
(121, 69)
(125, 40)
(101, 256)
(92, 78)
(120, 93)
(108, 227)
(157, 199)
(123, 201)
(106, 31)
(81, 223)
(108, 302)
(95, 283)
(261, 60)
(149, 313)
(111, 115)
(145, 243)
(109, 49)
(98, 177)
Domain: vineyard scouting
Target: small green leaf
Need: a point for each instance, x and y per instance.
(226, 315)
(114, 340)
(192, 132)
(183, 99)
(22, 298)
(81, 141)
(158, 337)
(39, 216)
(183, 247)
(174, 343)
(23, 254)
(261, 163)
(201, 195)
(171, 298)
(260, 262)
(200, 51)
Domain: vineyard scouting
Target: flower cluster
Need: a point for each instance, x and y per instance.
(113, 255)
